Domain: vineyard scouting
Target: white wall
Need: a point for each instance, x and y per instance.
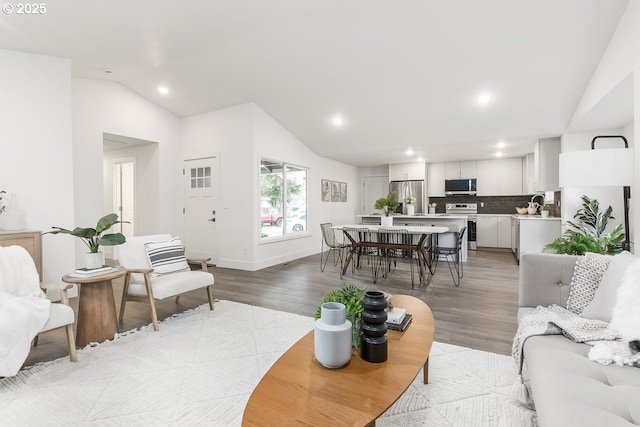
(101, 106)
(239, 136)
(36, 149)
(273, 141)
(621, 59)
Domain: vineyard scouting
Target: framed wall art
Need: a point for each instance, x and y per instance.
(325, 190)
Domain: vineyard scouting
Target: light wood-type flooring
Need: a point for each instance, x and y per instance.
(480, 314)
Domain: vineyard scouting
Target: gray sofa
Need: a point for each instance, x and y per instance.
(568, 389)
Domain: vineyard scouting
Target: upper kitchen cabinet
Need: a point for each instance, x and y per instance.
(457, 170)
(528, 174)
(546, 166)
(435, 180)
(407, 171)
(499, 177)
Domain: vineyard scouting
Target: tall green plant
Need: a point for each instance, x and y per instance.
(388, 204)
(588, 232)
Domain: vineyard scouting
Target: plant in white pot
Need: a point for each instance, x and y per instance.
(410, 203)
(94, 237)
(387, 205)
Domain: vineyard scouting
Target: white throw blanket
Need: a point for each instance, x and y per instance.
(23, 308)
(554, 320)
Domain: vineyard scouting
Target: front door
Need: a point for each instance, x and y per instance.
(200, 208)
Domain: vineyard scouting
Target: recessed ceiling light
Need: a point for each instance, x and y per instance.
(420, 159)
(163, 90)
(501, 144)
(338, 121)
(409, 152)
(484, 99)
(499, 154)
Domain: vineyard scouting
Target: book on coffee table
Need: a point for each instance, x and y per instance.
(92, 271)
(400, 326)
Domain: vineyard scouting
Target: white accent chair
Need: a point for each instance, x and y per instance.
(25, 312)
(141, 285)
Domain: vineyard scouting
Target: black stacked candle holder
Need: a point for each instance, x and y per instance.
(373, 346)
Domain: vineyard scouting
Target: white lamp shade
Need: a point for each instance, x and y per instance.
(607, 167)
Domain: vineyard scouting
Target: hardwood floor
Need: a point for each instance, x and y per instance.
(480, 314)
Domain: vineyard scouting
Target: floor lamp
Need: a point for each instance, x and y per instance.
(606, 167)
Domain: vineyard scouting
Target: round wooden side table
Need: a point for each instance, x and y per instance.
(97, 320)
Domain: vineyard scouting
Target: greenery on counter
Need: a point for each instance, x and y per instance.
(587, 232)
(388, 204)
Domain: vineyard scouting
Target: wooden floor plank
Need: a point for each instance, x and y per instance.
(480, 314)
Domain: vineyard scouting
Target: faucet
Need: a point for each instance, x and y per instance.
(533, 200)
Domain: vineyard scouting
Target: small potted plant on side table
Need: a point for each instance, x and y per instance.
(387, 205)
(94, 237)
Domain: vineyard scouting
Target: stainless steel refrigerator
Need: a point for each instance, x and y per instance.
(409, 188)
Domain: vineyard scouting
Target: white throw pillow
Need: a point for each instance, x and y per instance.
(586, 277)
(625, 318)
(601, 306)
(167, 257)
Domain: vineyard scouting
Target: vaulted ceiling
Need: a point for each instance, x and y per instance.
(400, 73)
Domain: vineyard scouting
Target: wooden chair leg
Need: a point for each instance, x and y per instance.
(177, 299)
(210, 296)
(35, 340)
(152, 304)
(425, 372)
(72, 343)
(125, 291)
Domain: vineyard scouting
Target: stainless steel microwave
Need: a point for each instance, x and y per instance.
(459, 186)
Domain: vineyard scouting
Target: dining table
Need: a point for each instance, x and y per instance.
(425, 232)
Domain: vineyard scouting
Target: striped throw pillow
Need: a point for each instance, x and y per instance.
(167, 257)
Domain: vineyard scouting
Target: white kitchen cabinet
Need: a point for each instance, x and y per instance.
(499, 177)
(528, 174)
(487, 231)
(460, 170)
(546, 164)
(493, 231)
(405, 171)
(504, 231)
(435, 180)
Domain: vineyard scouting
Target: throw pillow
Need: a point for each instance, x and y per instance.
(625, 318)
(167, 257)
(586, 278)
(601, 306)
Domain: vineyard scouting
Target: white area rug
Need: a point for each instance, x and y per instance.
(202, 366)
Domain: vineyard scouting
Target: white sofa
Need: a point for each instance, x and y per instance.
(567, 388)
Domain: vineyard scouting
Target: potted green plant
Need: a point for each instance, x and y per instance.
(351, 296)
(387, 205)
(94, 237)
(545, 210)
(587, 233)
(410, 203)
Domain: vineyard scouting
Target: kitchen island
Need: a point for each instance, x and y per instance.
(453, 222)
(534, 233)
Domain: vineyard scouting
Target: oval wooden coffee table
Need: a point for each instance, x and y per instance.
(97, 319)
(297, 390)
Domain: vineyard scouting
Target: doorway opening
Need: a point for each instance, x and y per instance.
(124, 196)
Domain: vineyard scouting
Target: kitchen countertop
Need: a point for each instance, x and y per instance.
(429, 216)
(528, 217)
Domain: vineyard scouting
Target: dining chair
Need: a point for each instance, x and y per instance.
(358, 237)
(451, 255)
(329, 239)
(399, 245)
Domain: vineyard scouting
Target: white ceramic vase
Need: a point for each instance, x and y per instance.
(386, 221)
(93, 260)
(411, 209)
(332, 336)
(544, 214)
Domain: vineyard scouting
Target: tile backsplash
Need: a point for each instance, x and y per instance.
(492, 204)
